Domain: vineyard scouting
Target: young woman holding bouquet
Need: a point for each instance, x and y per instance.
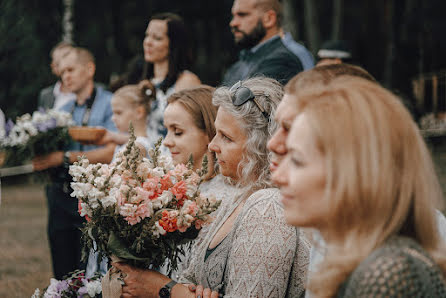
(358, 170)
(189, 119)
(248, 250)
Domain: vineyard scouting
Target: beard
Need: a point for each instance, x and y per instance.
(249, 40)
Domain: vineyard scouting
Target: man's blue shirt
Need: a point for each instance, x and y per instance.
(100, 115)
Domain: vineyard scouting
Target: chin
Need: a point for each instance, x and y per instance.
(292, 219)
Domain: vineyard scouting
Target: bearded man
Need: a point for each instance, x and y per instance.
(256, 26)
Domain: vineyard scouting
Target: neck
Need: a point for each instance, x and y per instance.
(160, 70)
(140, 128)
(84, 93)
(270, 33)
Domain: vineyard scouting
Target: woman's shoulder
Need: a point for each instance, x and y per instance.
(400, 266)
(264, 196)
(186, 79)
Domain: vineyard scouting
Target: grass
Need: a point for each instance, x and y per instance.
(24, 252)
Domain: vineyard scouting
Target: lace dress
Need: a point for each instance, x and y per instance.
(260, 257)
(400, 268)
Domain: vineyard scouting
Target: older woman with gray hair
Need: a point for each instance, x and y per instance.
(248, 251)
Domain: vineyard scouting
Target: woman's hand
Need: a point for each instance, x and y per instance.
(141, 283)
(113, 137)
(201, 292)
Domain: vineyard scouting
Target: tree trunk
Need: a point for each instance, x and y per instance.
(390, 44)
(312, 25)
(290, 18)
(337, 19)
(67, 23)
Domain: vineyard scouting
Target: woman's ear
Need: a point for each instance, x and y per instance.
(140, 112)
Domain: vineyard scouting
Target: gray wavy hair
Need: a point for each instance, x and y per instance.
(254, 167)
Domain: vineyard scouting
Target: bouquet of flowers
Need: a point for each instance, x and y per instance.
(42, 133)
(75, 286)
(138, 209)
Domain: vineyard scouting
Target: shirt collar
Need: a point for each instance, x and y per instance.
(89, 101)
(255, 48)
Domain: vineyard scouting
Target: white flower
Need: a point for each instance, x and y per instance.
(100, 181)
(162, 200)
(143, 170)
(158, 172)
(94, 287)
(115, 181)
(127, 210)
(191, 189)
(80, 190)
(85, 210)
(109, 201)
(158, 230)
(95, 193)
(166, 162)
(36, 293)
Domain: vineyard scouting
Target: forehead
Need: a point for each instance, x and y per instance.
(176, 113)
(286, 110)
(159, 26)
(228, 123)
(301, 136)
(69, 60)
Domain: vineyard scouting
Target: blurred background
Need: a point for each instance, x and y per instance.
(397, 41)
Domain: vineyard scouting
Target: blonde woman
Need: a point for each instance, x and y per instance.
(358, 170)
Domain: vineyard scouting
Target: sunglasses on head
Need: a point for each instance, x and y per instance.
(243, 94)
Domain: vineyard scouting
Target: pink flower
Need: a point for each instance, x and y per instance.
(143, 194)
(136, 213)
(166, 182)
(180, 170)
(179, 191)
(169, 221)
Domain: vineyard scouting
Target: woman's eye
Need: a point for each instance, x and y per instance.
(296, 162)
(226, 138)
(178, 133)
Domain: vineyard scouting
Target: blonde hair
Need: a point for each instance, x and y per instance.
(198, 103)
(139, 94)
(380, 177)
(83, 55)
(324, 74)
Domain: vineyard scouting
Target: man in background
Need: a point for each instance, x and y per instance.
(56, 95)
(256, 26)
(91, 107)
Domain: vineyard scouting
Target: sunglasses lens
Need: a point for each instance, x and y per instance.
(242, 95)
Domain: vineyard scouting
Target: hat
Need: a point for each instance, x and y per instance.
(335, 49)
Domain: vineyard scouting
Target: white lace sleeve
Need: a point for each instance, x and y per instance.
(263, 250)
